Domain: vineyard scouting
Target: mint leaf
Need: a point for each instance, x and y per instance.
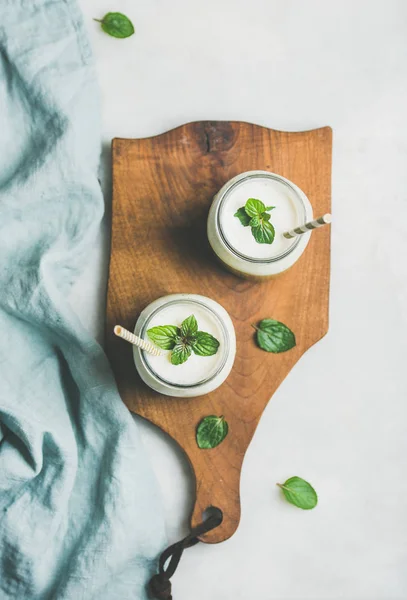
(243, 217)
(117, 25)
(254, 213)
(180, 353)
(299, 492)
(211, 431)
(183, 340)
(205, 344)
(255, 221)
(274, 336)
(264, 233)
(254, 207)
(164, 336)
(189, 327)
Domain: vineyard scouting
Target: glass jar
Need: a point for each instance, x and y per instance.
(199, 374)
(235, 245)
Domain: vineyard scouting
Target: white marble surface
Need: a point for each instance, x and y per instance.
(340, 418)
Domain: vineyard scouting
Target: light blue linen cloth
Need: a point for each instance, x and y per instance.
(80, 516)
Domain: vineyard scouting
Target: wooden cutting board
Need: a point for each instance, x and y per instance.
(162, 189)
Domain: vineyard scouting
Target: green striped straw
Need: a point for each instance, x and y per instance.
(324, 220)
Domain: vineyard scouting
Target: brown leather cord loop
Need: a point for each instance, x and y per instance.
(159, 585)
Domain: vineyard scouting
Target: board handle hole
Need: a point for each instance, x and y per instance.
(213, 512)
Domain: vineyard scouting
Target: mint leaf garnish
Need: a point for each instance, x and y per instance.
(180, 353)
(182, 341)
(211, 431)
(117, 25)
(205, 344)
(164, 336)
(274, 336)
(243, 217)
(254, 213)
(299, 492)
(264, 232)
(189, 327)
(255, 221)
(254, 207)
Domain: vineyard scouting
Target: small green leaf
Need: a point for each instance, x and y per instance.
(189, 327)
(205, 344)
(243, 217)
(274, 336)
(117, 25)
(254, 207)
(264, 233)
(180, 353)
(255, 221)
(211, 431)
(164, 336)
(299, 492)
(254, 214)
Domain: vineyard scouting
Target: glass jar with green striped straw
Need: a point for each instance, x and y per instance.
(248, 219)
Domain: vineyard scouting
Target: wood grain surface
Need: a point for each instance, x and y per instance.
(162, 190)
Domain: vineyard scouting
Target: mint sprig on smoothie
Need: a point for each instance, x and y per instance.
(255, 214)
(184, 340)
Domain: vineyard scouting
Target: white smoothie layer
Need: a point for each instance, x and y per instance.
(196, 368)
(284, 216)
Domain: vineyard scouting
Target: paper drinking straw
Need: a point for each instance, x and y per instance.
(135, 340)
(324, 220)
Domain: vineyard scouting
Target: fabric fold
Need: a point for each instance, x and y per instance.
(80, 514)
